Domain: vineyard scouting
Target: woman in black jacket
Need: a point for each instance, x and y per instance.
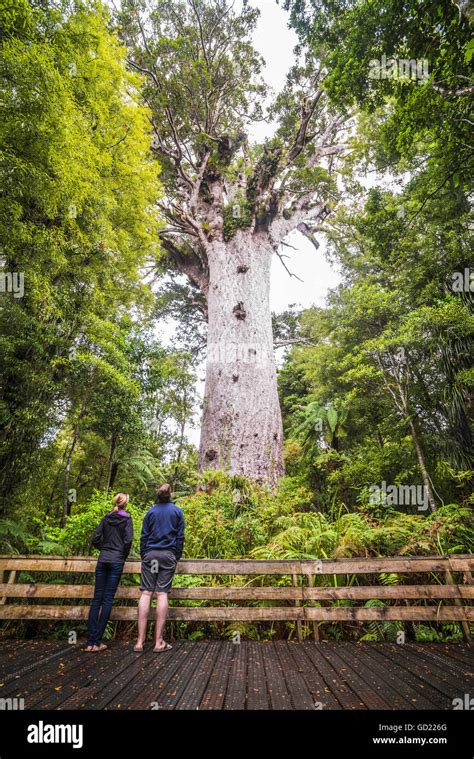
(113, 537)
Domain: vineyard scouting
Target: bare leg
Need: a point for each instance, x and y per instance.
(143, 612)
(161, 614)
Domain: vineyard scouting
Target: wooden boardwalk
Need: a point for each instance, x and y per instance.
(252, 675)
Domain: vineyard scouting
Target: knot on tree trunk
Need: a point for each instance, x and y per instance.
(239, 311)
(242, 269)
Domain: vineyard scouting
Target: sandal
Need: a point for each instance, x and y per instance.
(138, 649)
(166, 647)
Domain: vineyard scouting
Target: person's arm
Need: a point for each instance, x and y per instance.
(180, 536)
(145, 534)
(128, 537)
(98, 535)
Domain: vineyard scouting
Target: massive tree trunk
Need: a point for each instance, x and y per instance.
(241, 427)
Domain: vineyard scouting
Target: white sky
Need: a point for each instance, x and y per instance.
(275, 42)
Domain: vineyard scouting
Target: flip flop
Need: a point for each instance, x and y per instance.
(138, 649)
(166, 647)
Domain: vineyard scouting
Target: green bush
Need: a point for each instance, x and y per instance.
(75, 537)
(230, 518)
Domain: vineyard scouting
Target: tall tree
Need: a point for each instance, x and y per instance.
(408, 67)
(393, 349)
(76, 210)
(229, 204)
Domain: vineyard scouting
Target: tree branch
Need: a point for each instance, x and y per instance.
(293, 341)
(454, 93)
(281, 257)
(302, 138)
(188, 262)
(285, 224)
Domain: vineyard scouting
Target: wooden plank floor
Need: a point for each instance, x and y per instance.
(280, 675)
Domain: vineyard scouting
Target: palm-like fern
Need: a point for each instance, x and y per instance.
(381, 629)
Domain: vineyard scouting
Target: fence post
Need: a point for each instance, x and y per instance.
(311, 584)
(299, 632)
(448, 575)
(10, 581)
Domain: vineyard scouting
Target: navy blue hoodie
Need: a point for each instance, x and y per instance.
(163, 529)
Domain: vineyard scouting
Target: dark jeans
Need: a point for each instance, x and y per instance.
(107, 578)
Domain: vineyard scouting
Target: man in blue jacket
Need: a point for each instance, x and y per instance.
(161, 546)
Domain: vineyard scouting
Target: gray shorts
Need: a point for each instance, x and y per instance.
(158, 568)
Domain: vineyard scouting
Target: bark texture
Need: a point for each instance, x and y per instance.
(241, 426)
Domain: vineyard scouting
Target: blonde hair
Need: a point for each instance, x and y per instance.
(120, 500)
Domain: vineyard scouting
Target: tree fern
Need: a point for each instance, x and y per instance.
(385, 629)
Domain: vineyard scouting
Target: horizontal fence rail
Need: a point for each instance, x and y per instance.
(312, 581)
(458, 563)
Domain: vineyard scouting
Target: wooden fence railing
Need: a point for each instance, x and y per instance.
(445, 582)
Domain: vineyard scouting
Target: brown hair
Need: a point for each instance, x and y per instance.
(164, 493)
(120, 500)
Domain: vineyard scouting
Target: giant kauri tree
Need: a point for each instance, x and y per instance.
(229, 204)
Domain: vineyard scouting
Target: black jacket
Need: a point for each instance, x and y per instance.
(114, 536)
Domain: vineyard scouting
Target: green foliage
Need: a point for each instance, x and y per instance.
(228, 84)
(76, 216)
(424, 114)
(90, 399)
(225, 521)
(13, 537)
(383, 630)
(448, 632)
(232, 518)
(75, 537)
(246, 631)
(425, 634)
(390, 353)
(237, 215)
(394, 344)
